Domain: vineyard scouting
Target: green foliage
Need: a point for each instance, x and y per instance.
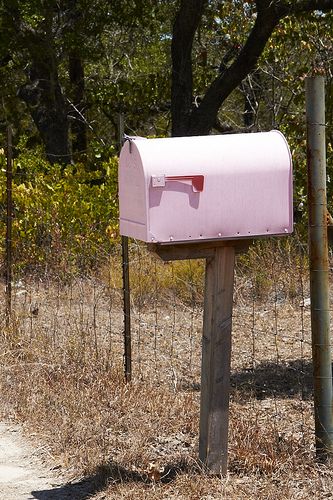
(283, 96)
(133, 75)
(64, 218)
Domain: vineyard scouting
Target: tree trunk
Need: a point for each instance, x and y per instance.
(78, 124)
(42, 92)
(185, 26)
(45, 100)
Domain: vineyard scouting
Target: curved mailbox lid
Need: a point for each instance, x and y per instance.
(235, 171)
(204, 154)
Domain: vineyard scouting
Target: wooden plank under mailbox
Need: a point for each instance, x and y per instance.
(196, 250)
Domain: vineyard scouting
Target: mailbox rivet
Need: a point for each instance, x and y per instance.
(171, 238)
(220, 234)
(285, 230)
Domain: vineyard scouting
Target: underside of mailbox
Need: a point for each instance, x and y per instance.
(193, 189)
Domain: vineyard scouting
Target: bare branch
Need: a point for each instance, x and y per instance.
(203, 118)
(190, 120)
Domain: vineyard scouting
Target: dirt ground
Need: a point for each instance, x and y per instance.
(28, 472)
(23, 475)
(93, 437)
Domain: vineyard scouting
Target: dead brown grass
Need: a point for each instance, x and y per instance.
(61, 375)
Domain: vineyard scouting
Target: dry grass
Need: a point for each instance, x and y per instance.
(61, 375)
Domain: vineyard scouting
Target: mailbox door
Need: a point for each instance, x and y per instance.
(133, 207)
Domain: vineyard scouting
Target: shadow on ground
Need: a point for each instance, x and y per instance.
(269, 379)
(280, 380)
(107, 474)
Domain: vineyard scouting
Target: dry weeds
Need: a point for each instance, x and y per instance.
(61, 375)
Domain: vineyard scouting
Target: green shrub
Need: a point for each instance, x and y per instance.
(62, 217)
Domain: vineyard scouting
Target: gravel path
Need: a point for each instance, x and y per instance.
(23, 476)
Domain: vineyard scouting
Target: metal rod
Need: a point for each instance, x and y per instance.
(319, 268)
(126, 281)
(127, 310)
(9, 221)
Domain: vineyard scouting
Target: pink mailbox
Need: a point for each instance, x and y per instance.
(213, 187)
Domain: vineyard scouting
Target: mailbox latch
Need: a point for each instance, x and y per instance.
(160, 180)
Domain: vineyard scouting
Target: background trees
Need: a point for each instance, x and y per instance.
(75, 65)
(69, 68)
(186, 67)
(242, 47)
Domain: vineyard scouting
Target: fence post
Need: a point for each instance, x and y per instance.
(319, 269)
(9, 217)
(126, 283)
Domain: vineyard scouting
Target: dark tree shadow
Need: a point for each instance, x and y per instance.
(108, 474)
(269, 379)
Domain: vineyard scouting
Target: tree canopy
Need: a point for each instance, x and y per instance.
(184, 67)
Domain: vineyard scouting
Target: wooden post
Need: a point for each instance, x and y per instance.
(216, 356)
(216, 342)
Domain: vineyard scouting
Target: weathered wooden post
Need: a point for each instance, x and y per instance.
(208, 197)
(216, 357)
(216, 342)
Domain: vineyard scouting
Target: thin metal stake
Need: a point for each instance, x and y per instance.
(126, 282)
(127, 311)
(319, 269)
(9, 178)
